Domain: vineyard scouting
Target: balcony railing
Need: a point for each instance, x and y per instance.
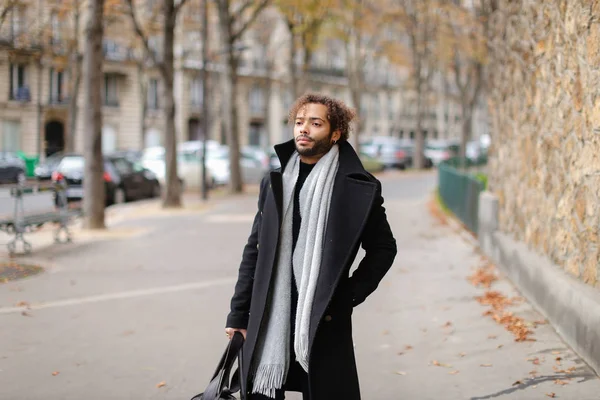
(58, 100)
(22, 94)
(111, 102)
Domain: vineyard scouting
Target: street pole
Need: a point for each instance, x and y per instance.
(205, 124)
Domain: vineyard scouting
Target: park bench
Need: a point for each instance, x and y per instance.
(55, 210)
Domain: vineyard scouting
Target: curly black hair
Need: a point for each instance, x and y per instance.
(339, 114)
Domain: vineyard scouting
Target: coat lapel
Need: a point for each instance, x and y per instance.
(351, 202)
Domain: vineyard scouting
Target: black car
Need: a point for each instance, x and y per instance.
(123, 180)
(12, 168)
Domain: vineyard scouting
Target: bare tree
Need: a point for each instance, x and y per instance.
(418, 21)
(94, 200)
(235, 17)
(360, 24)
(166, 67)
(74, 76)
(6, 8)
(270, 45)
(304, 20)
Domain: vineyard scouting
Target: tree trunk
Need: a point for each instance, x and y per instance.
(292, 61)
(230, 109)
(93, 182)
(76, 71)
(75, 76)
(172, 198)
(418, 157)
(233, 137)
(465, 133)
(143, 86)
(266, 143)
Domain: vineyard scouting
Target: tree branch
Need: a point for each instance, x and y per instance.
(180, 6)
(140, 33)
(237, 35)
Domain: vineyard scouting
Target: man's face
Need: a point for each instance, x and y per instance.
(312, 131)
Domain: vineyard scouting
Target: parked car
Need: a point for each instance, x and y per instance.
(12, 168)
(371, 164)
(409, 147)
(123, 180)
(253, 168)
(43, 171)
(391, 151)
(475, 153)
(188, 167)
(441, 150)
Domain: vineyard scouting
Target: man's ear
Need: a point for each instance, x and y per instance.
(336, 136)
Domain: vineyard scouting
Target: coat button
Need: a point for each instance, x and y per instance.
(257, 246)
(327, 318)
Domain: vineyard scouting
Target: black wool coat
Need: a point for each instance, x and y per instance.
(356, 217)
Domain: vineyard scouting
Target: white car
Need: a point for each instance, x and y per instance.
(189, 169)
(441, 150)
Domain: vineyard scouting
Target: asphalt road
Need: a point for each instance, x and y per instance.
(145, 304)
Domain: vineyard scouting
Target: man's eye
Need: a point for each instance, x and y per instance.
(316, 124)
(298, 123)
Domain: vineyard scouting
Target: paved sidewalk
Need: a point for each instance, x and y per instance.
(116, 318)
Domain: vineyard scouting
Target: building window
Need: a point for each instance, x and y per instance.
(17, 25)
(57, 82)
(255, 134)
(155, 45)
(109, 139)
(55, 27)
(152, 94)
(11, 136)
(257, 101)
(196, 92)
(19, 88)
(111, 93)
(287, 100)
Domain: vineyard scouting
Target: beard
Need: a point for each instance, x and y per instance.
(319, 147)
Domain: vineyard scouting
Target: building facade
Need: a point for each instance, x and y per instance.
(37, 82)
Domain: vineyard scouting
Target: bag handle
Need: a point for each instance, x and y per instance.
(220, 385)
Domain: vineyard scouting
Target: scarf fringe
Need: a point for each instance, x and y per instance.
(268, 378)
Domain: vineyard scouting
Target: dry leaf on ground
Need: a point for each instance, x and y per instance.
(517, 383)
(55, 373)
(163, 383)
(485, 365)
(439, 364)
(400, 373)
(483, 276)
(453, 372)
(553, 395)
(560, 382)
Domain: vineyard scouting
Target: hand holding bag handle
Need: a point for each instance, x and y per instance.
(220, 387)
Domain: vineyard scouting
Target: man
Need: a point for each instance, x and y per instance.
(293, 299)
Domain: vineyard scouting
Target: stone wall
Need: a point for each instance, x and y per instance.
(544, 78)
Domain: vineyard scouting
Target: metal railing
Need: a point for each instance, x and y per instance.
(459, 191)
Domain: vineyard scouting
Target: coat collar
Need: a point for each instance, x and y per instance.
(349, 162)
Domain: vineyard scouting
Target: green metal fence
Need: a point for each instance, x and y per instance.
(460, 193)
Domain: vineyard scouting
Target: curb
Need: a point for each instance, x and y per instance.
(571, 306)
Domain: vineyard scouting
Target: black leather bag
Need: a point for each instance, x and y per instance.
(220, 387)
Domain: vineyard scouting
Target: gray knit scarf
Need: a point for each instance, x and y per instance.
(269, 370)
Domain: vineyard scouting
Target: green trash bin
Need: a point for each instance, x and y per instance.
(30, 163)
